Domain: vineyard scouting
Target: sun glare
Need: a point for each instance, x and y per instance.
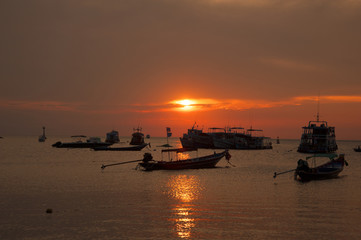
(185, 104)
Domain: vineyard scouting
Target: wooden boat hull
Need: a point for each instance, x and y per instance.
(209, 161)
(328, 170)
(132, 148)
(357, 149)
(318, 175)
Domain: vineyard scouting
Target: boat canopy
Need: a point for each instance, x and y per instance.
(179, 150)
(330, 155)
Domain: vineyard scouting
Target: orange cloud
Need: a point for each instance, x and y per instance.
(225, 104)
(245, 104)
(181, 105)
(335, 99)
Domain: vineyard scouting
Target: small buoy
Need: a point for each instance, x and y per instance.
(49, 210)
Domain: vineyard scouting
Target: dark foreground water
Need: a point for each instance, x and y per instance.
(241, 202)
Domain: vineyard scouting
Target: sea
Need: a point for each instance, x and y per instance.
(53, 193)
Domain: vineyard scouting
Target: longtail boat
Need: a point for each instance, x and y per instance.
(330, 169)
(130, 148)
(209, 161)
(357, 149)
(92, 142)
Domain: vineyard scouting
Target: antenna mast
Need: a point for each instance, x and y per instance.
(318, 108)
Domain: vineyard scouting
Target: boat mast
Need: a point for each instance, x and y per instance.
(169, 134)
(318, 108)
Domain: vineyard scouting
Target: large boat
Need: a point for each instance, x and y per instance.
(196, 138)
(330, 169)
(42, 138)
(112, 137)
(92, 142)
(137, 137)
(318, 137)
(221, 138)
(225, 138)
(253, 139)
(209, 161)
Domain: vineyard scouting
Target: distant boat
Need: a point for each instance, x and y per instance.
(331, 169)
(147, 136)
(130, 148)
(225, 138)
(357, 149)
(208, 161)
(112, 137)
(92, 142)
(137, 137)
(42, 138)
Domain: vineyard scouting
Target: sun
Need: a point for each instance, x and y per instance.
(184, 104)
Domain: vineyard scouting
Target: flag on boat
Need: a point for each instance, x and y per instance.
(169, 134)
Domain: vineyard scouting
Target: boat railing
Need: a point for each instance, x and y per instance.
(317, 123)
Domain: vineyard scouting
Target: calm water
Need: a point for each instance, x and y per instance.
(241, 202)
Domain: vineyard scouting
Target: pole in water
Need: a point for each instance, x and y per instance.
(113, 164)
(275, 174)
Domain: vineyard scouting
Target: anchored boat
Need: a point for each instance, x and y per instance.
(196, 138)
(130, 148)
(42, 138)
(318, 137)
(330, 169)
(137, 137)
(208, 161)
(92, 142)
(112, 137)
(225, 138)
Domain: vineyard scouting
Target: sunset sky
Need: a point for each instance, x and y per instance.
(90, 66)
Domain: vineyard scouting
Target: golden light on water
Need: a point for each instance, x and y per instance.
(184, 223)
(184, 189)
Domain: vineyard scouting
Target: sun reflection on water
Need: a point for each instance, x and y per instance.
(185, 189)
